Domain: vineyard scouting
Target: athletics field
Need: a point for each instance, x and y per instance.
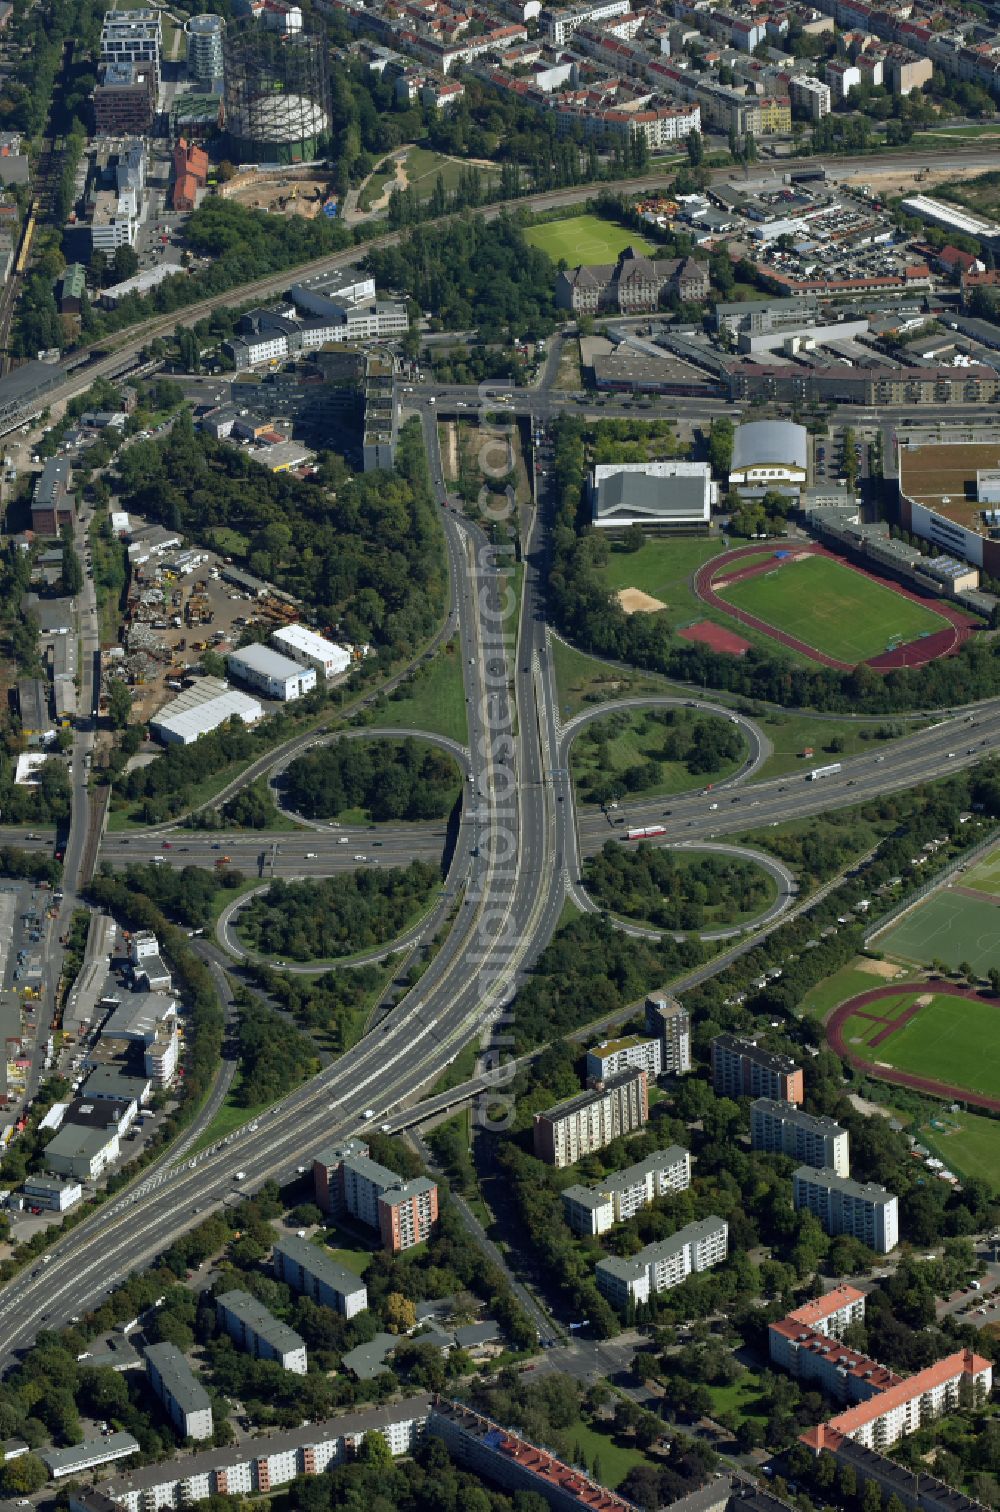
(827, 605)
(937, 1037)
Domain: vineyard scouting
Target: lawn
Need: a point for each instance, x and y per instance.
(231, 1116)
(630, 737)
(954, 1040)
(663, 568)
(348, 1251)
(846, 983)
(376, 186)
(583, 680)
(423, 166)
(791, 734)
(584, 239)
(739, 1399)
(948, 927)
(434, 700)
(589, 1444)
(985, 876)
(832, 608)
(968, 1143)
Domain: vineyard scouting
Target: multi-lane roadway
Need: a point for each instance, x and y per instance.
(517, 854)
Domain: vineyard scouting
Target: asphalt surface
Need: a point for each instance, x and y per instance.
(510, 906)
(517, 855)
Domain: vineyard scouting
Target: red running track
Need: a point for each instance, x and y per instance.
(915, 654)
(835, 1034)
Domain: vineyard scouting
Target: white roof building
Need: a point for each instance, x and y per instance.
(311, 650)
(273, 675)
(203, 707)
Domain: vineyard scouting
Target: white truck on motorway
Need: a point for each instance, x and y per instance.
(824, 771)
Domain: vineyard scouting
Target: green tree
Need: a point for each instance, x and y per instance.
(24, 1476)
(126, 263)
(72, 568)
(375, 1450)
(119, 703)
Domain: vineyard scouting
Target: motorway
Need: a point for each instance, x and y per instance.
(509, 906)
(516, 857)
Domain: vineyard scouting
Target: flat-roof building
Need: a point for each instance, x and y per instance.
(81, 1153)
(264, 1462)
(312, 650)
(865, 1210)
(659, 496)
(665, 1264)
(593, 1210)
(51, 1193)
(313, 1271)
(202, 708)
(268, 673)
(52, 502)
(183, 1396)
(781, 1129)
(668, 1019)
(592, 1119)
(79, 1458)
(347, 1180)
(250, 1325)
(742, 1068)
(612, 1057)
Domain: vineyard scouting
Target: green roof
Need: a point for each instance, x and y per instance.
(74, 281)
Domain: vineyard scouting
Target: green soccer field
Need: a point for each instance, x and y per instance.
(832, 608)
(954, 1040)
(948, 927)
(968, 1143)
(584, 239)
(985, 877)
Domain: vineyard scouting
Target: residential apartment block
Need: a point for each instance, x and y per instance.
(915, 1489)
(842, 1373)
(864, 1210)
(741, 1068)
(502, 1458)
(664, 1264)
(782, 1129)
(314, 1273)
(672, 1024)
(593, 1210)
(182, 1394)
(903, 1408)
(612, 1057)
(250, 1325)
(832, 1313)
(632, 285)
(346, 1180)
(559, 25)
(262, 1464)
(592, 1119)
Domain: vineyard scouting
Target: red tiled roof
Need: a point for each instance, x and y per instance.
(963, 1363)
(811, 1313)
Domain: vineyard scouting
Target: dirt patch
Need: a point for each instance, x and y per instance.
(880, 969)
(634, 601)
